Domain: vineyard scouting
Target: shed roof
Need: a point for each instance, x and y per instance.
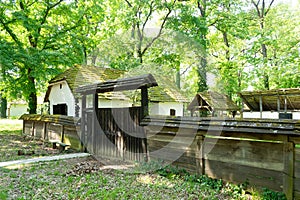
(131, 83)
(273, 100)
(212, 101)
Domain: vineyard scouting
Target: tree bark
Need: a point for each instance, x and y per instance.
(32, 103)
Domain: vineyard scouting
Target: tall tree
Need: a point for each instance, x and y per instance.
(262, 8)
(44, 35)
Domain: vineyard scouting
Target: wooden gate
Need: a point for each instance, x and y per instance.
(115, 132)
(118, 134)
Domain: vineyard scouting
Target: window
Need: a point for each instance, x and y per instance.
(60, 86)
(172, 112)
(60, 109)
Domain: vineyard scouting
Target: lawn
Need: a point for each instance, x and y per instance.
(83, 178)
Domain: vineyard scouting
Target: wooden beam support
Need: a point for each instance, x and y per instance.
(83, 121)
(145, 102)
(260, 106)
(288, 173)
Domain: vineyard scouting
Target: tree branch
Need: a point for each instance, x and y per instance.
(10, 32)
(160, 29)
(269, 7)
(256, 7)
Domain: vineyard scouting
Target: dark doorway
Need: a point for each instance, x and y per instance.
(60, 109)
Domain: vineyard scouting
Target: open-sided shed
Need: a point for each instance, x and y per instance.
(212, 102)
(283, 101)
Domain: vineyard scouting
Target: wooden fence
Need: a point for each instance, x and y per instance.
(264, 153)
(53, 127)
(115, 134)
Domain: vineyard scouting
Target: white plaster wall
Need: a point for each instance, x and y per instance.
(163, 108)
(62, 95)
(16, 110)
(268, 115)
(107, 103)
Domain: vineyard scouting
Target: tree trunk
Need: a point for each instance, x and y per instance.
(202, 85)
(3, 106)
(32, 101)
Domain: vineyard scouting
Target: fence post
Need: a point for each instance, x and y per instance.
(200, 162)
(288, 173)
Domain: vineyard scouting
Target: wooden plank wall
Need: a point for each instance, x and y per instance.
(48, 130)
(241, 160)
(267, 155)
(117, 134)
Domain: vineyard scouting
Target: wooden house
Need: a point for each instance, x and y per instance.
(212, 103)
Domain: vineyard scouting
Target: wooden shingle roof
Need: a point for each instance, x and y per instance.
(272, 100)
(81, 75)
(212, 101)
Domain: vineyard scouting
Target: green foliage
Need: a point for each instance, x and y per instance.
(38, 40)
(268, 194)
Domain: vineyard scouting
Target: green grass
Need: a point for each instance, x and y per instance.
(53, 180)
(8, 126)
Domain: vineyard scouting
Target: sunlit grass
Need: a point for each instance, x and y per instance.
(8, 126)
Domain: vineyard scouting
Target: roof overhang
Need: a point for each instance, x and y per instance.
(131, 83)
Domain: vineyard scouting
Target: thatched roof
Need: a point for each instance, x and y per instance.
(273, 100)
(212, 101)
(79, 75)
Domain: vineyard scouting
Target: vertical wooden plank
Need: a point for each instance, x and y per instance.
(288, 174)
(285, 104)
(83, 122)
(278, 104)
(260, 106)
(144, 102)
(62, 133)
(95, 121)
(200, 162)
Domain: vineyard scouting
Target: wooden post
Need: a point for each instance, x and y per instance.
(285, 104)
(95, 121)
(278, 104)
(288, 173)
(62, 133)
(82, 124)
(145, 102)
(200, 160)
(242, 110)
(260, 106)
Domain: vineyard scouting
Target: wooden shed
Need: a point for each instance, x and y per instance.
(212, 102)
(281, 102)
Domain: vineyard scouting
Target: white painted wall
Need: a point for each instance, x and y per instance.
(163, 108)
(268, 115)
(16, 110)
(60, 94)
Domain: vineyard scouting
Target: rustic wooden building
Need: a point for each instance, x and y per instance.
(274, 104)
(212, 102)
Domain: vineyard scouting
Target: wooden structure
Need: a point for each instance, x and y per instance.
(212, 102)
(115, 132)
(264, 153)
(53, 128)
(280, 100)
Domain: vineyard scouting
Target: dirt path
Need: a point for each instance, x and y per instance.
(16, 163)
